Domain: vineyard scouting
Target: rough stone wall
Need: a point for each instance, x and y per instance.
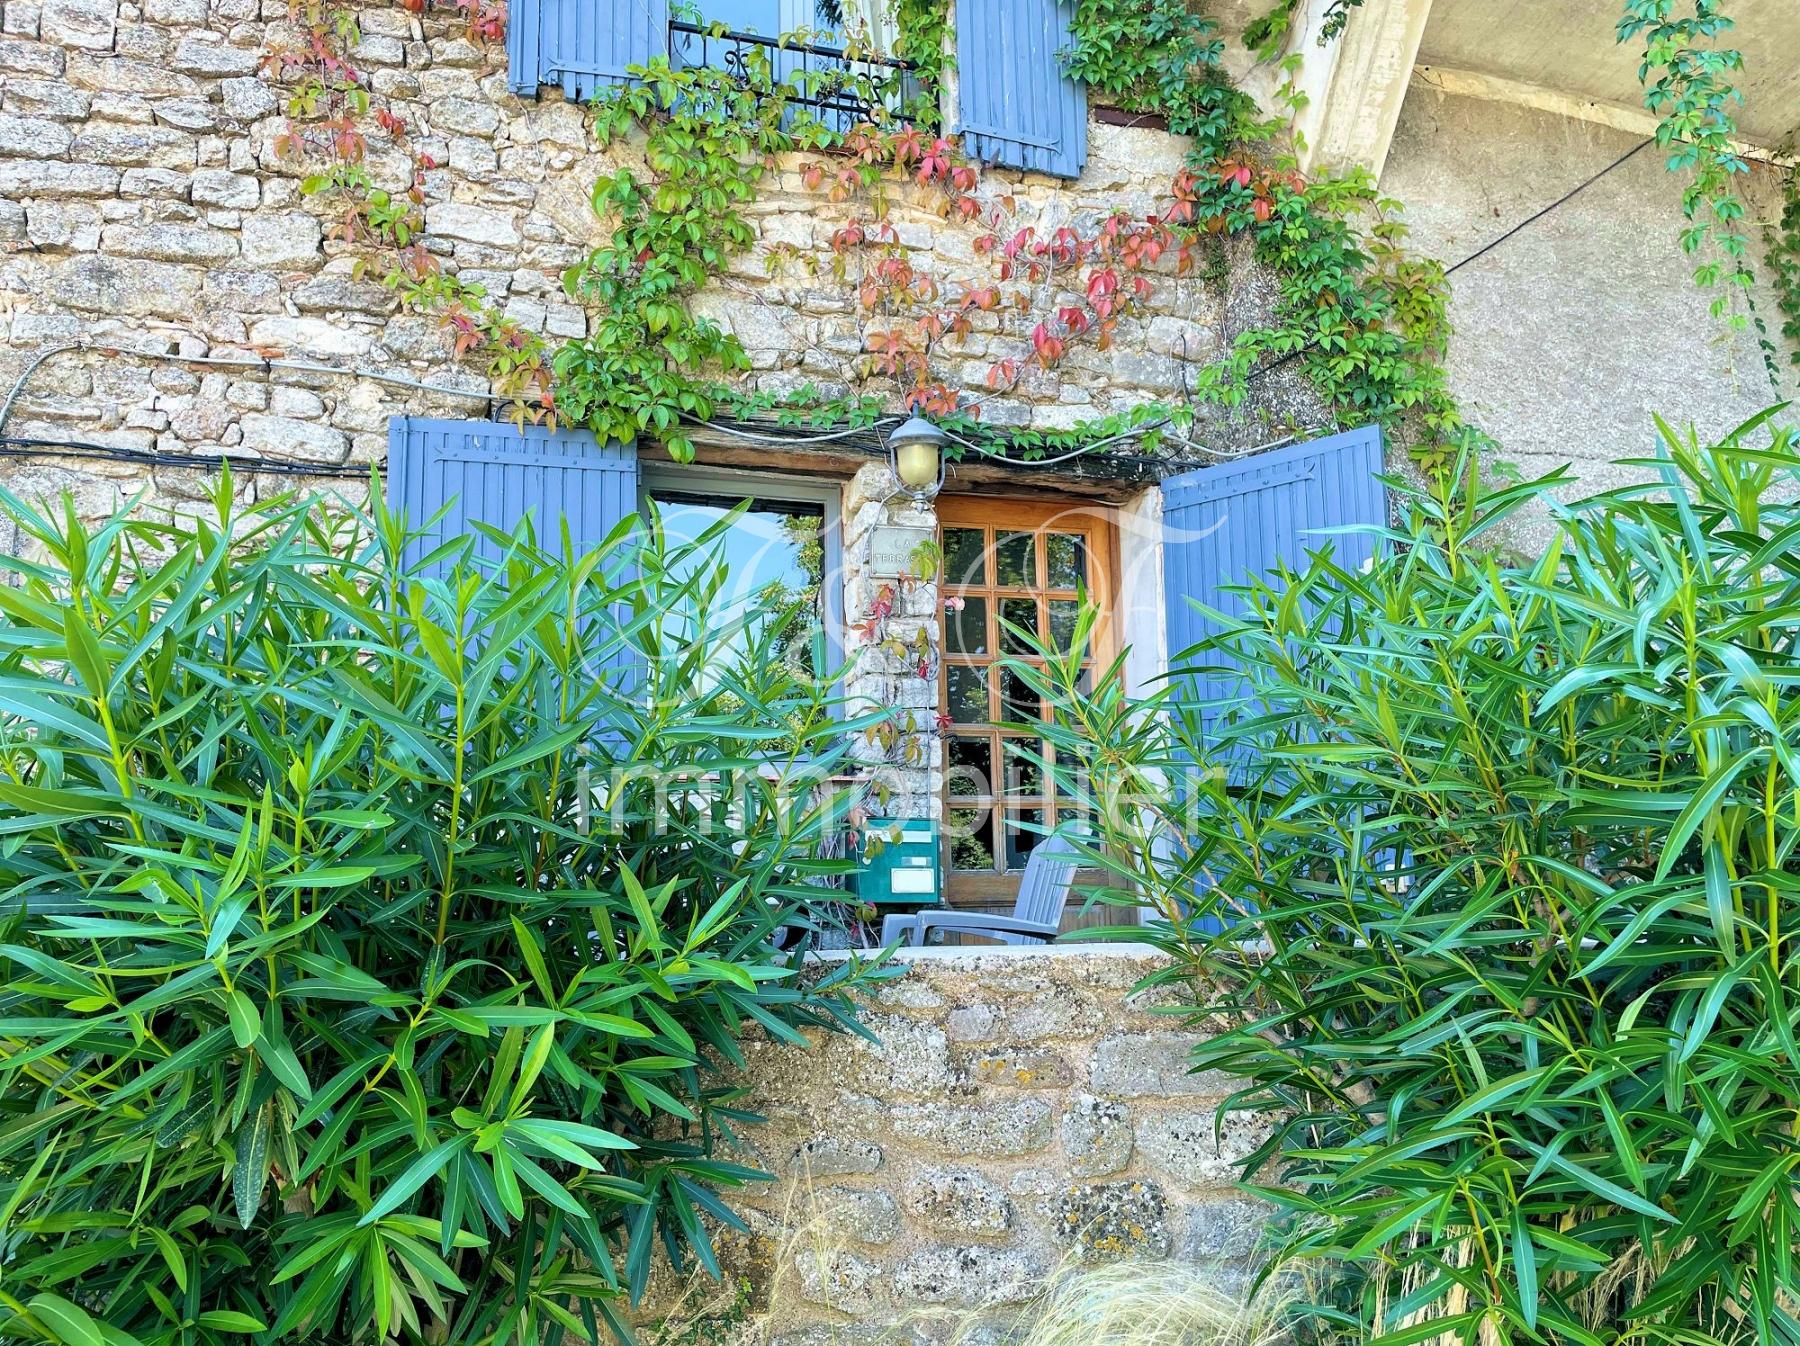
(143, 207)
(1022, 1111)
(907, 775)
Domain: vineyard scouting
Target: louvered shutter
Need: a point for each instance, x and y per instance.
(1222, 525)
(1018, 107)
(487, 472)
(1227, 524)
(582, 44)
(497, 474)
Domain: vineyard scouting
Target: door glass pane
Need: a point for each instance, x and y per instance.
(1015, 561)
(971, 834)
(1024, 776)
(1065, 556)
(967, 691)
(1020, 612)
(1017, 700)
(1020, 842)
(970, 771)
(965, 626)
(1063, 612)
(965, 557)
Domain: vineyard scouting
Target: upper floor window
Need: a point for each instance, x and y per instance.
(831, 54)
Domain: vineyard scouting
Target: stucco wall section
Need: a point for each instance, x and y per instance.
(1571, 335)
(1022, 1109)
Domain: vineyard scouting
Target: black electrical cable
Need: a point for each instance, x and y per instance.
(19, 446)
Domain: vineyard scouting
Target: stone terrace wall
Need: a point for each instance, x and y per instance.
(1023, 1109)
(143, 205)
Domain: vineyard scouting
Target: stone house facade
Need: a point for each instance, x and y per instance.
(171, 294)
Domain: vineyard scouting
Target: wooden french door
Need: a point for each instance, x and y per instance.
(1023, 562)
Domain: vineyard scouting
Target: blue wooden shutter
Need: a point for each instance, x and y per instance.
(1225, 524)
(582, 44)
(1018, 107)
(498, 474)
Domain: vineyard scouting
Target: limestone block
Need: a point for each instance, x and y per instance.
(376, 49)
(242, 290)
(864, 1214)
(1230, 1226)
(1139, 1065)
(30, 58)
(141, 42)
(122, 287)
(298, 403)
(134, 147)
(310, 336)
(161, 183)
(1182, 1145)
(1096, 1136)
(957, 1201)
(970, 1023)
(1114, 1220)
(13, 223)
(187, 114)
(170, 243)
(221, 187)
(336, 292)
(280, 437)
(84, 24)
(993, 1130)
(288, 240)
(117, 74)
(246, 99)
(831, 1156)
(966, 1277)
(34, 137)
(206, 55)
(841, 1280)
(21, 19)
(45, 98)
(477, 224)
(176, 13)
(464, 116)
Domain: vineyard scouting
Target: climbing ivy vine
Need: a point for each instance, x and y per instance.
(1782, 243)
(1364, 321)
(1687, 80)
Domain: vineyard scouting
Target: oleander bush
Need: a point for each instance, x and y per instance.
(1488, 883)
(370, 920)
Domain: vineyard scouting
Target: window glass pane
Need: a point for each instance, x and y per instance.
(1063, 612)
(970, 772)
(774, 555)
(965, 557)
(1017, 700)
(965, 626)
(1015, 561)
(967, 690)
(1065, 556)
(1024, 776)
(1020, 842)
(971, 833)
(1023, 613)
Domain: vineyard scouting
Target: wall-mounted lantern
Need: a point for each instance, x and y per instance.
(916, 453)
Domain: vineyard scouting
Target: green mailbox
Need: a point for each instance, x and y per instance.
(900, 862)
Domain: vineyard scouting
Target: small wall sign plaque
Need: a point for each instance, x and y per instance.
(892, 550)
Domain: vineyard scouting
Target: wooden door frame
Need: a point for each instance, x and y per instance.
(1037, 514)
